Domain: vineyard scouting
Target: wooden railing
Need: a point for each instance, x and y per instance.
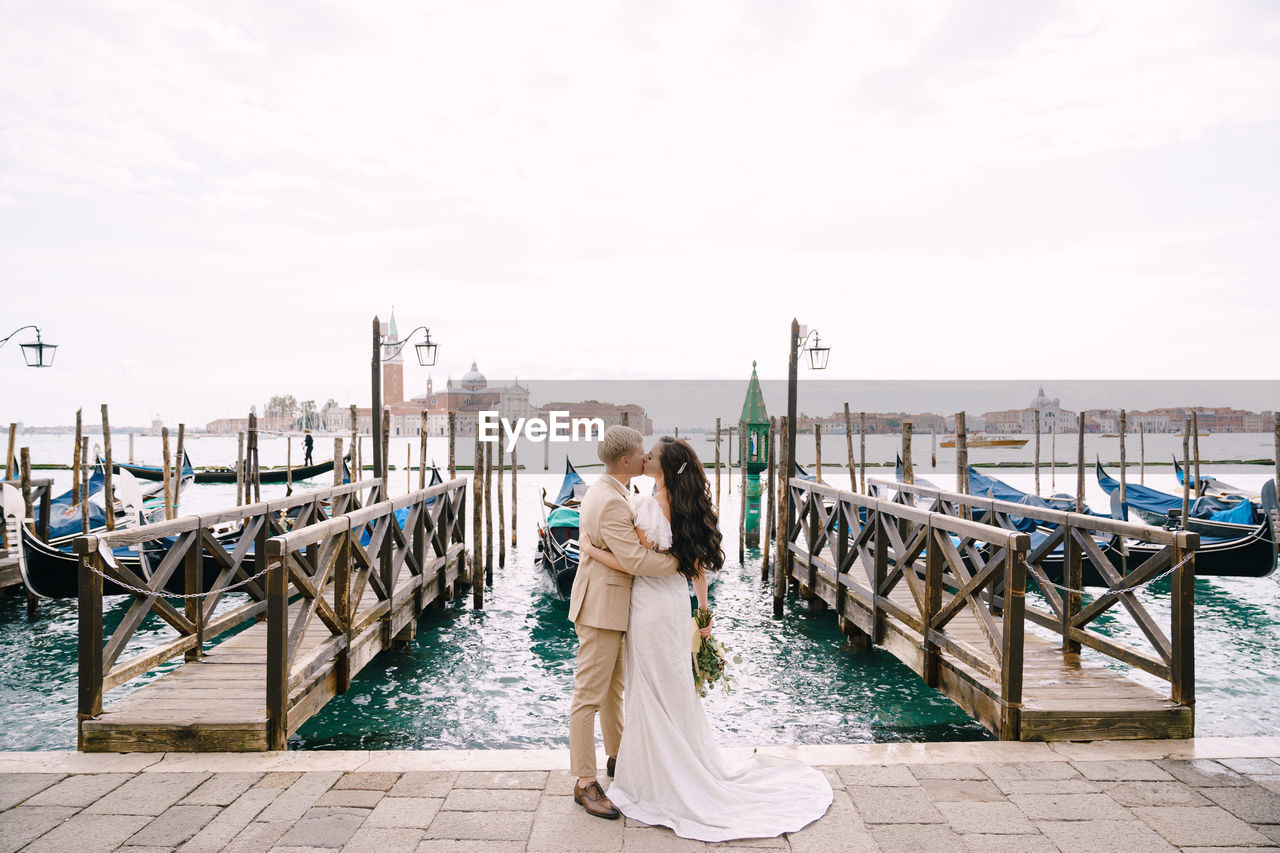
(195, 550)
(346, 557)
(860, 549)
(1170, 656)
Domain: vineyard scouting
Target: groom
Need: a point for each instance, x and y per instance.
(599, 607)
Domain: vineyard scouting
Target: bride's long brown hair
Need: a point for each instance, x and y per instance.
(695, 536)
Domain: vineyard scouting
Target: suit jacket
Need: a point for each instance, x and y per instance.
(601, 596)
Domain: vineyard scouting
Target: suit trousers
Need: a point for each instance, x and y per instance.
(597, 689)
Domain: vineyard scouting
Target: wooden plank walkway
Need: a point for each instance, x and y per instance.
(219, 703)
(335, 591)
(945, 595)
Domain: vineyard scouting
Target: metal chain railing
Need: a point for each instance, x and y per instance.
(163, 594)
(1111, 593)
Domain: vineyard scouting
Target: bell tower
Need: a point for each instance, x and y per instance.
(392, 364)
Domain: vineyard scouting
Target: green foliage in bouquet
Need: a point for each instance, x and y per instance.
(711, 659)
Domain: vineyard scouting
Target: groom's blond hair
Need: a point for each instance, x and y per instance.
(618, 441)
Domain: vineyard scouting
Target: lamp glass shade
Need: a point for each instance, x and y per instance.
(426, 353)
(39, 354)
(818, 357)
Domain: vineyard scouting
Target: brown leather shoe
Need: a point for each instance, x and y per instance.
(592, 799)
(611, 765)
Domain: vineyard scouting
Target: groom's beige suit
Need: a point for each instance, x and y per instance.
(599, 607)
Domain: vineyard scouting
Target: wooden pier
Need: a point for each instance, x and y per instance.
(341, 583)
(945, 594)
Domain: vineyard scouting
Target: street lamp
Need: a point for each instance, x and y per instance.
(37, 353)
(426, 352)
(818, 356)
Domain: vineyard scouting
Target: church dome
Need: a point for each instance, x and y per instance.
(473, 379)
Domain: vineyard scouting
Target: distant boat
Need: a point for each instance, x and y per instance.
(986, 441)
(558, 534)
(224, 474)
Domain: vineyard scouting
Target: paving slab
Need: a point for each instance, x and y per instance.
(405, 812)
(1103, 836)
(988, 818)
(1122, 771)
(174, 826)
(534, 779)
(231, 821)
(26, 823)
(962, 791)
(222, 789)
(148, 794)
(978, 843)
(279, 778)
(659, 840)
(872, 775)
(375, 781)
(948, 770)
(894, 805)
(1203, 773)
(491, 800)
(324, 827)
(448, 845)
(350, 798)
(16, 787)
(913, 838)
(1252, 765)
(383, 839)
(560, 824)
(1253, 804)
(841, 828)
(486, 826)
(424, 783)
(1131, 794)
(295, 800)
(80, 790)
(1203, 826)
(1060, 807)
(257, 837)
(88, 833)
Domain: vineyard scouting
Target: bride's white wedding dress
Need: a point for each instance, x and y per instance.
(670, 771)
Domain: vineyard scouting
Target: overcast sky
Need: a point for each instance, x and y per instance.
(205, 204)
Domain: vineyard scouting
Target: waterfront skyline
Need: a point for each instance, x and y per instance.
(204, 207)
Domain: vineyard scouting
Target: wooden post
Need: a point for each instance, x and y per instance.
(862, 451)
(255, 462)
(337, 460)
(1123, 462)
(33, 603)
(277, 645)
(342, 605)
(477, 529)
(356, 472)
(1037, 462)
(1275, 418)
(1073, 579)
(1053, 458)
(546, 454)
(75, 465)
(422, 452)
(386, 451)
(817, 450)
(784, 511)
(8, 457)
(848, 441)
(717, 463)
(1195, 450)
(771, 489)
(408, 468)
(962, 453)
(1142, 453)
(453, 435)
(488, 511)
(1011, 641)
(193, 563)
(932, 603)
(179, 463)
(1080, 464)
(1186, 469)
(108, 494)
(728, 468)
(1182, 601)
(84, 486)
(239, 468)
(288, 465)
(130, 448)
(908, 469)
(167, 473)
(502, 521)
(515, 494)
(742, 492)
(89, 693)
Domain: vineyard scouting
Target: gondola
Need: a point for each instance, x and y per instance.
(1213, 486)
(266, 475)
(558, 534)
(1220, 518)
(151, 472)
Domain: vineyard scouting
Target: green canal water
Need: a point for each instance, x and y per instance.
(502, 677)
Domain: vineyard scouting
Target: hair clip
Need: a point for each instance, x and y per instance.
(681, 469)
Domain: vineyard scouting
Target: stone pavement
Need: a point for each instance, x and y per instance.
(1203, 794)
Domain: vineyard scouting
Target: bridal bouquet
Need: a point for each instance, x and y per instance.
(710, 656)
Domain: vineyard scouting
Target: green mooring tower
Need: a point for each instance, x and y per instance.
(755, 450)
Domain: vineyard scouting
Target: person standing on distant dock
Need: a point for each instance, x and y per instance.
(308, 444)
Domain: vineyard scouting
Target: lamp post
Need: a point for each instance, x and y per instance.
(818, 356)
(426, 351)
(37, 353)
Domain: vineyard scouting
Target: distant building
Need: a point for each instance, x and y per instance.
(1053, 418)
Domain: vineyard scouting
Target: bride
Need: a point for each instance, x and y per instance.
(669, 769)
